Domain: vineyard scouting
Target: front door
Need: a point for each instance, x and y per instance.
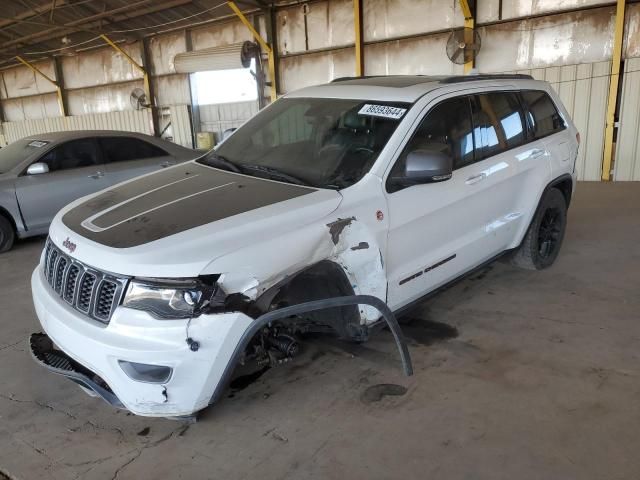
(74, 171)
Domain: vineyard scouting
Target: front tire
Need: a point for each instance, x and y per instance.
(7, 234)
(542, 242)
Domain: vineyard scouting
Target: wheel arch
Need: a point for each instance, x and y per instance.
(322, 280)
(5, 213)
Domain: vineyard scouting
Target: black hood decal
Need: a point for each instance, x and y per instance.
(172, 201)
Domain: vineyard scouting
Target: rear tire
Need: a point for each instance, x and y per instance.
(7, 234)
(542, 242)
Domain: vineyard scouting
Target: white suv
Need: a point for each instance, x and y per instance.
(380, 189)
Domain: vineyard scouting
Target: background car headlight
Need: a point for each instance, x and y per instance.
(166, 300)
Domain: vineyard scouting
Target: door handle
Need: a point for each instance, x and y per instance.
(96, 175)
(535, 153)
(167, 164)
(475, 178)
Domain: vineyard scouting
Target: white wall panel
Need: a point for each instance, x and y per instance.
(313, 69)
(627, 159)
(632, 32)
(220, 117)
(215, 35)
(329, 24)
(132, 121)
(28, 108)
(523, 8)
(22, 81)
(584, 37)
(172, 90)
(423, 55)
(107, 98)
(181, 125)
(163, 49)
(101, 66)
(583, 90)
(396, 18)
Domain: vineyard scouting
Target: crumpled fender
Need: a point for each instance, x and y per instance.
(252, 270)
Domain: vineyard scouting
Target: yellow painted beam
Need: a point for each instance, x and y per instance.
(613, 90)
(271, 62)
(466, 10)
(357, 25)
(37, 71)
(145, 75)
(469, 23)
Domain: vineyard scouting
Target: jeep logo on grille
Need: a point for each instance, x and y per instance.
(69, 245)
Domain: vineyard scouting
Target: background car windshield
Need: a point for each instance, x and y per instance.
(15, 153)
(328, 143)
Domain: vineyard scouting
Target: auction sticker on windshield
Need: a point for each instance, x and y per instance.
(384, 111)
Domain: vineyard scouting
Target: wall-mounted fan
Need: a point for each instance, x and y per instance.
(138, 99)
(463, 45)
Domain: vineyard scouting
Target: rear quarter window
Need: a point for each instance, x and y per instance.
(542, 115)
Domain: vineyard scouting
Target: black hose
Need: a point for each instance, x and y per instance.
(264, 320)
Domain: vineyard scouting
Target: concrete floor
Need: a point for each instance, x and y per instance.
(541, 382)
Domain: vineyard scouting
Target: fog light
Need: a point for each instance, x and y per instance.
(141, 372)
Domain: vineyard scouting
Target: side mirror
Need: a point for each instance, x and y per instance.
(37, 168)
(425, 166)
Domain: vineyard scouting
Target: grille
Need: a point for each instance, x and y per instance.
(90, 291)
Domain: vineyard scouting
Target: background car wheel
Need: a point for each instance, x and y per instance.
(542, 241)
(7, 234)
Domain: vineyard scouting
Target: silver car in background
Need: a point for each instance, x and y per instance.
(41, 174)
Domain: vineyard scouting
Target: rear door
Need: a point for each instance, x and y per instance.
(505, 158)
(75, 170)
(129, 157)
(546, 125)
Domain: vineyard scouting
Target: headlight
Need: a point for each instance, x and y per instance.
(168, 299)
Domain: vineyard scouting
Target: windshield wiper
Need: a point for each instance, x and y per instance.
(274, 173)
(215, 160)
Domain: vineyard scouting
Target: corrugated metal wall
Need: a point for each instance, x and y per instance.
(220, 117)
(181, 125)
(627, 164)
(130, 121)
(584, 90)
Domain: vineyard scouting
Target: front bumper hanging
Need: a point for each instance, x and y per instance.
(58, 362)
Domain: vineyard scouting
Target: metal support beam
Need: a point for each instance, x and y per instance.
(613, 91)
(359, 37)
(469, 23)
(145, 75)
(265, 47)
(37, 71)
(146, 64)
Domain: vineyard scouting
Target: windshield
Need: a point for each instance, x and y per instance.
(17, 152)
(322, 142)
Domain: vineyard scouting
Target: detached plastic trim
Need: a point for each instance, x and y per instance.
(269, 317)
(58, 362)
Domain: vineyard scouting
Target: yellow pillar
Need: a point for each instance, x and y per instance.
(357, 25)
(469, 22)
(613, 91)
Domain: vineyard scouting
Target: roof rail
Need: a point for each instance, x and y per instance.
(364, 77)
(498, 76)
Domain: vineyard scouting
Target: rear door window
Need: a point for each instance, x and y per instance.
(123, 149)
(542, 114)
(73, 154)
(498, 123)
